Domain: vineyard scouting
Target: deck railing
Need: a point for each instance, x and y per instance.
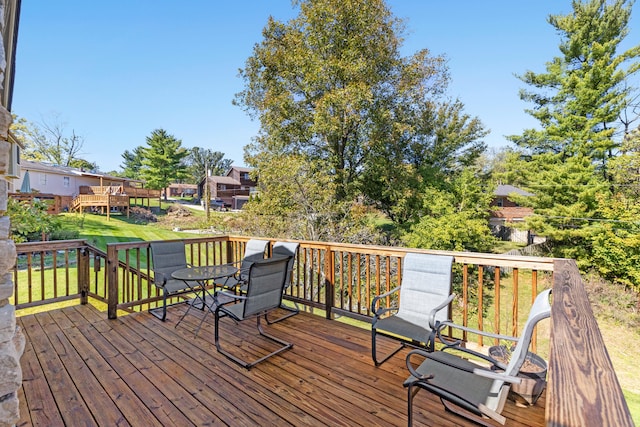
(50, 272)
(495, 294)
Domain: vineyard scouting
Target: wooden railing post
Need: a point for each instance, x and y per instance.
(112, 282)
(329, 281)
(83, 274)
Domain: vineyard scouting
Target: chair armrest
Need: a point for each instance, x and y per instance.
(448, 323)
(487, 373)
(497, 376)
(432, 315)
(482, 356)
(410, 367)
(234, 297)
(159, 279)
(377, 298)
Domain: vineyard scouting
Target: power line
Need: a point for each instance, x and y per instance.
(589, 219)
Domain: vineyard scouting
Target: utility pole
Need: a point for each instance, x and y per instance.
(207, 194)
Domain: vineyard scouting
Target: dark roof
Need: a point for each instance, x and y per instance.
(506, 190)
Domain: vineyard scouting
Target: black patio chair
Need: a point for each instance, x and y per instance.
(167, 257)
(254, 250)
(265, 284)
(288, 249)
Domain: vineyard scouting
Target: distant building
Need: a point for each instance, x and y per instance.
(232, 189)
(505, 211)
(67, 188)
(64, 181)
(181, 190)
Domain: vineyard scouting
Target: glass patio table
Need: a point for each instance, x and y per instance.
(197, 278)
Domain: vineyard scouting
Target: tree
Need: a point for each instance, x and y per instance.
(84, 165)
(162, 160)
(200, 160)
(30, 220)
(201, 163)
(580, 98)
(432, 146)
(455, 216)
(50, 141)
(578, 102)
(296, 199)
(132, 162)
(332, 87)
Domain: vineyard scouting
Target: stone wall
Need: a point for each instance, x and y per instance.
(12, 340)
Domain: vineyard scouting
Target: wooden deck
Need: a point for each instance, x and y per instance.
(81, 369)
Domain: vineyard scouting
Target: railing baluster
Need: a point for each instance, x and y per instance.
(514, 305)
(54, 260)
(496, 303)
(480, 302)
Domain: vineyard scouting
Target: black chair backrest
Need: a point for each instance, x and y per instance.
(167, 257)
(265, 286)
(253, 251)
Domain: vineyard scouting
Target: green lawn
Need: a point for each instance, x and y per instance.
(99, 232)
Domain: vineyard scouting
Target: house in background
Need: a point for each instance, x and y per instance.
(181, 190)
(62, 180)
(505, 212)
(66, 188)
(232, 189)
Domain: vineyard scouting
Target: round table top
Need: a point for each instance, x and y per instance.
(205, 272)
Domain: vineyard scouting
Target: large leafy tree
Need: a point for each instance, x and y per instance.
(427, 146)
(316, 83)
(332, 87)
(163, 160)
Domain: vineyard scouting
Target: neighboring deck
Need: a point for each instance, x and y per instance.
(81, 369)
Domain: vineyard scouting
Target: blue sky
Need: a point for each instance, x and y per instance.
(115, 71)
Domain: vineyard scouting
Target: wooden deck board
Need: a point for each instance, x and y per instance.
(80, 368)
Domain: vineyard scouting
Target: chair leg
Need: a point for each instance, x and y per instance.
(164, 309)
(292, 312)
(410, 394)
(248, 365)
(374, 351)
(453, 408)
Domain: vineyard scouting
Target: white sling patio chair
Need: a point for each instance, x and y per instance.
(466, 388)
(425, 295)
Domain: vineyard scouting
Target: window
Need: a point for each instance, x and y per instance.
(43, 179)
(65, 181)
(245, 175)
(500, 202)
(222, 187)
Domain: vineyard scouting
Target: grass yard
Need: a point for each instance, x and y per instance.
(99, 232)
